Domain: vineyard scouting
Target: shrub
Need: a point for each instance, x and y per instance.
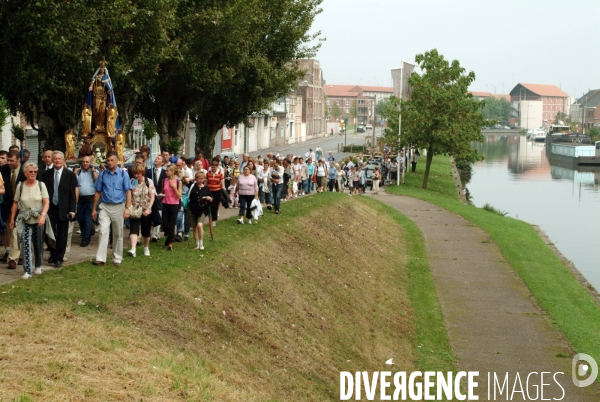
(494, 210)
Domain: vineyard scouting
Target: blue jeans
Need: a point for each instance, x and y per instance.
(303, 185)
(84, 217)
(182, 222)
(308, 185)
(276, 191)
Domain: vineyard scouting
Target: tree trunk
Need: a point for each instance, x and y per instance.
(126, 107)
(205, 137)
(170, 125)
(428, 165)
(50, 131)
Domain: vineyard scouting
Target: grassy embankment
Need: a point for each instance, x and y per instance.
(554, 287)
(268, 312)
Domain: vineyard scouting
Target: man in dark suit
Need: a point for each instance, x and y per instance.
(63, 192)
(46, 163)
(158, 175)
(12, 175)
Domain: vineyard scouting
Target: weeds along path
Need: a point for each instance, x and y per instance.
(493, 323)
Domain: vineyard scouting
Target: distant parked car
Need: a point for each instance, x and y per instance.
(515, 127)
(369, 127)
(360, 128)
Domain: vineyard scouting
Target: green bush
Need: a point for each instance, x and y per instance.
(354, 148)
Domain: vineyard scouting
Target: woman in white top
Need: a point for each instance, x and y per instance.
(340, 178)
(264, 186)
(321, 173)
(31, 203)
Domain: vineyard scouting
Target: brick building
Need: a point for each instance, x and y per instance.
(366, 97)
(551, 100)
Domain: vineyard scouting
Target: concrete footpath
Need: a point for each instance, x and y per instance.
(493, 322)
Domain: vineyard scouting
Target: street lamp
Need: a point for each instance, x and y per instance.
(345, 129)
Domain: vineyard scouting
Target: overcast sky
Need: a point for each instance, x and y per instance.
(503, 42)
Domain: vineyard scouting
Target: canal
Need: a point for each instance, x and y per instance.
(517, 177)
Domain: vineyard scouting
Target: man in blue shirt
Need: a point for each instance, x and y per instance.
(86, 177)
(114, 189)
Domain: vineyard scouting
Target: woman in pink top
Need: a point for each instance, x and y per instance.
(171, 195)
(247, 189)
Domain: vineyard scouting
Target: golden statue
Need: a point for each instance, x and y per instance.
(69, 144)
(111, 119)
(120, 145)
(86, 118)
(101, 90)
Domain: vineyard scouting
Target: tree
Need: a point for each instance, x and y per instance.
(442, 116)
(563, 117)
(50, 50)
(336, 112)
(354, 111)
(381, 106)
(594, 133)
(3, 111)
(496, 109)
(269, 36)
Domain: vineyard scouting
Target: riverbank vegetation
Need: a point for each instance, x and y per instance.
(272, 311)
(570, 307)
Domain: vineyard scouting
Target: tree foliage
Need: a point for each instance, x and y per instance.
(354, 110)
(442, 116)
(562, 116)
(50, 50)
(496, 109)
(336, 112)
(4, 113)
(218, 60)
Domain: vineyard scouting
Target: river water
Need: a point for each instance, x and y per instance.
(517, 177)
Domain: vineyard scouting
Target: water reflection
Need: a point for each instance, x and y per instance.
(517, 176)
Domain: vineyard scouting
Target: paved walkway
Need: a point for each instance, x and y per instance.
(493, 323)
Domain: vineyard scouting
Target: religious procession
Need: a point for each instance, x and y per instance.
(88, 190)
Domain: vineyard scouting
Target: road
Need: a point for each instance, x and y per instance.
(327, 144)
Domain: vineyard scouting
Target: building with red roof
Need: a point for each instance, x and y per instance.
(552, 98)
(362, 97)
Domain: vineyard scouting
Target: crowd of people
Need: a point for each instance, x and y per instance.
(169, 196)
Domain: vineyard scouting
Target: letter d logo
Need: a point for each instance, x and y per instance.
(582, 370)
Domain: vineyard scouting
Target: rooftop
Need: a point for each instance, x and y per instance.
(540, 89)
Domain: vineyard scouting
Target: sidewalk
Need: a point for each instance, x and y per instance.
(79, 254)
(493, 323)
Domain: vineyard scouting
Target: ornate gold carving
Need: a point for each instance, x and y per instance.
(69, 144)
(120, 145)
(86, 118)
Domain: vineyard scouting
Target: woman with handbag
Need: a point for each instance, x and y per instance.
(247, 190)
(375, 179)
(142, 199)
(28, 215)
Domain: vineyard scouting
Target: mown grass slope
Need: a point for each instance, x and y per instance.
(272, 311)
